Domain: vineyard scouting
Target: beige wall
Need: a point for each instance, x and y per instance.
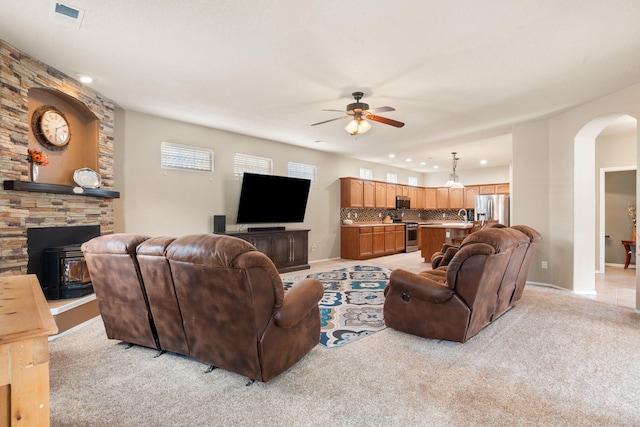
(157, 201)
(566, 179)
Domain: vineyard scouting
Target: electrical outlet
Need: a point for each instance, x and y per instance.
(355, 215)
(444, 215)
(348, 214)
(379, 214)
(544, 264)
(313, 247)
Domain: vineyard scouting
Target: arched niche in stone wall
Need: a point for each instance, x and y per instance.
(82, 151)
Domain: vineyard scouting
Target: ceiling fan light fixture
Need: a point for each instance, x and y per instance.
(357, 126)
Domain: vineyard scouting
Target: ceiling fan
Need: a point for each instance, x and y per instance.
(359, 111)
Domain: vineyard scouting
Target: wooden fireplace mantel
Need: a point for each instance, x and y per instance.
(40, 187)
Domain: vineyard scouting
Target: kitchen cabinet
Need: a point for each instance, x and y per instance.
(358, 193)
(442, 198)
(432, 239)
(470, 194)
(456, 198)
(430, 198)
(288, 249)
(503, 188)
(378, 241)
(413, 197)
(351, 193)
(488, 189)
(391, 196)
(366, 242)
(369, 194)
(381, 195)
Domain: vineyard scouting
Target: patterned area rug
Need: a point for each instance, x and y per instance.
(352, 304)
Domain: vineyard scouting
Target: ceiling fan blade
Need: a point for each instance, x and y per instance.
(339, 111)
(330, 120)
(385, 120)
(381, 109)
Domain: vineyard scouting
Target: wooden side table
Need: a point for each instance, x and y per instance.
(25, 324)
(629, 248)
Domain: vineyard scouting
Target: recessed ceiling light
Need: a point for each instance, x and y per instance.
(391, 156)
(84, 78)
(408, 160)
(483, 162)
(436, 166)
(423, 163)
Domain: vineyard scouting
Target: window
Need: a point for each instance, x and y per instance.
(392, 178)
(185, 157)
(413, 181)
(366, 173)
(302, 170)
(247, 163)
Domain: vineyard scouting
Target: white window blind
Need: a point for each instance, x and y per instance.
(185, 157)
(302, 170)
(392, 178)
(254, 164)
(366, 173)
(413, 181)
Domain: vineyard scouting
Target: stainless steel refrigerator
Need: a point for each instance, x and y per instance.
(492, 207)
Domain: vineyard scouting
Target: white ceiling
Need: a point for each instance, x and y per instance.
(459, 73)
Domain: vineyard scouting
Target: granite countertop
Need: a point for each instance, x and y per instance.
(450, 224)
(369, 224)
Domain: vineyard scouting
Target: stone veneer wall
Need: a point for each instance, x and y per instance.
(21, 210)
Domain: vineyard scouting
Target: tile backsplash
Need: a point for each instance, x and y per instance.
(374, 215)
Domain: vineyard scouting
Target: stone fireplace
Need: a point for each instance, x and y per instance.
(55, 202)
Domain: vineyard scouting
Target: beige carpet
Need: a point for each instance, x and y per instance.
(555, 359)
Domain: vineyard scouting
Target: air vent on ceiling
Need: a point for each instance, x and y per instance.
(66, 14)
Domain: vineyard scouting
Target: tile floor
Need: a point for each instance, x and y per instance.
(617, 286)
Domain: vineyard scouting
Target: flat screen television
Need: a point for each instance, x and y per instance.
(272, 199)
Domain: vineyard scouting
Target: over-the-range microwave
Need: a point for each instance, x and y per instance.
(403, 202)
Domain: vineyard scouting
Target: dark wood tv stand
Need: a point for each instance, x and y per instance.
(288, 249)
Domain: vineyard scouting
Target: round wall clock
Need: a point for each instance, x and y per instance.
(50, 127)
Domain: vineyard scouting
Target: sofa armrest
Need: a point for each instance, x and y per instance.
(417, 286)
(299, 300)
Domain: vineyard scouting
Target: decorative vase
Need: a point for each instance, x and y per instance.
(33, 172)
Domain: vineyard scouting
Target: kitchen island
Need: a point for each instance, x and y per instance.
(434, 235)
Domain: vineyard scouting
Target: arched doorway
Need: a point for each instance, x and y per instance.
(584, 215)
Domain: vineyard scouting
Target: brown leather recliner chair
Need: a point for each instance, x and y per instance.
(122, 299)
(465, 303)
(521, 279)
(235, 311)
(161, 294)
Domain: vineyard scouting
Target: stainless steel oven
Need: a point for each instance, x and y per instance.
(411, 236)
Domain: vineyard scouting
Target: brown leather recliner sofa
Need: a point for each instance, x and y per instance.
(211, 297)
(482, 281)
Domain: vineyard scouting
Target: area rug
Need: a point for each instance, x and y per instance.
(351, 307)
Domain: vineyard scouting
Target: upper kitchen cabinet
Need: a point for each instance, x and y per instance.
(351, 193)
(456, 198)
(391, 195)
(503, 188)
(442, 198)
(368, 194)
(413, 197)
(381, 195)
(430, 198)
(470, 193)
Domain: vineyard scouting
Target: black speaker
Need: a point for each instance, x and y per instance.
(219, 223)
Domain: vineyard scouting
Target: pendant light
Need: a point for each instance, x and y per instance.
(453, 178)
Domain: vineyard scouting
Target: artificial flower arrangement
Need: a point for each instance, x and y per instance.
(37, 157)
(631, 210)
